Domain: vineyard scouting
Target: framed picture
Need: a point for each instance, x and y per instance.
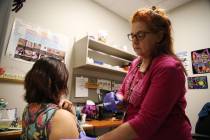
(199, 82)
(201, 61)
(29, 43)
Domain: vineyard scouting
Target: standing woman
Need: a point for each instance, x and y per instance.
(153, 91)
(154, 88)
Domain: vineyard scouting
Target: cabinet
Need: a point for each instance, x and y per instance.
(95, 55)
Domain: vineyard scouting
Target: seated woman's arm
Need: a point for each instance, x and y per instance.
(63, 125)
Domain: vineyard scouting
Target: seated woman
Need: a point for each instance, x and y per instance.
(42, 119)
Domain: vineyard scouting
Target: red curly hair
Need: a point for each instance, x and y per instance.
(156, 21)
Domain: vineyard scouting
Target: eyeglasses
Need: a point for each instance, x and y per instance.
(140, 35)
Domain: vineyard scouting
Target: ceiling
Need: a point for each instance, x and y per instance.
(125, 8)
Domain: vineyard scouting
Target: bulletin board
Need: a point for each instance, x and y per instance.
(91, 92)
(28, 43)
(96, 80)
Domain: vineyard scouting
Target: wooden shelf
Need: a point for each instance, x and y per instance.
(11, 78)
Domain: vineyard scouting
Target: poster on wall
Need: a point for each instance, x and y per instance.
(183, 56)
(201, 61)
(104, 84)
(29, 43)
(199, 82)
(115, 85)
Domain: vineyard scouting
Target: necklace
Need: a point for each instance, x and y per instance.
(134, 81)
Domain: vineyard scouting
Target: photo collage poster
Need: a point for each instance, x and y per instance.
(30, 43)
(201, 61)
(199, 82)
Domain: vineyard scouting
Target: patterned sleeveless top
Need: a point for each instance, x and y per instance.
(35, 121)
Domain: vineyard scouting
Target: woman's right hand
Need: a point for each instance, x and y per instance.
(122, 104)
(67, 105)
(114, 100)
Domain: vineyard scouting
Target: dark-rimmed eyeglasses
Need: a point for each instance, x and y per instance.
(140, 35)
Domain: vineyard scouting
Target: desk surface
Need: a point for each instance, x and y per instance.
(101, 123)
(88, 125)
(10, 132)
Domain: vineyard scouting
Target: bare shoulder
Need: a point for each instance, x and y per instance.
(63, 125)
(63, 114)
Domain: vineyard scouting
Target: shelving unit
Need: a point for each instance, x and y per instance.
(104, 57)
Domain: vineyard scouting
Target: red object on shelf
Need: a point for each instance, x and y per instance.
(2, 71)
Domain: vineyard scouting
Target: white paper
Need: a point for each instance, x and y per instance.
(81, 90)
(184, 57)
(8, 114)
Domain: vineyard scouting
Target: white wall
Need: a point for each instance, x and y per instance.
(191, 25)
(73, 18)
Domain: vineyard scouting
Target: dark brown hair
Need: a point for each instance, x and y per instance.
(157, 21)
(46, 81)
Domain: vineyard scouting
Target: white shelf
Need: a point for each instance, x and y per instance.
(93, 66)
(108, 55)
(88, 48)
(102, 47)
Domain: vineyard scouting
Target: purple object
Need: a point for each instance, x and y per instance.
(90, 110)
(82, 137)
(110, 102)
(98, 62)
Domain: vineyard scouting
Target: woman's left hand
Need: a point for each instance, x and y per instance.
(67, 105)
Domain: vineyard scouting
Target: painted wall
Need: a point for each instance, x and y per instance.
(73, 18)
(191, 25)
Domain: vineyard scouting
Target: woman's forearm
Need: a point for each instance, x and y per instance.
(123, 132)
